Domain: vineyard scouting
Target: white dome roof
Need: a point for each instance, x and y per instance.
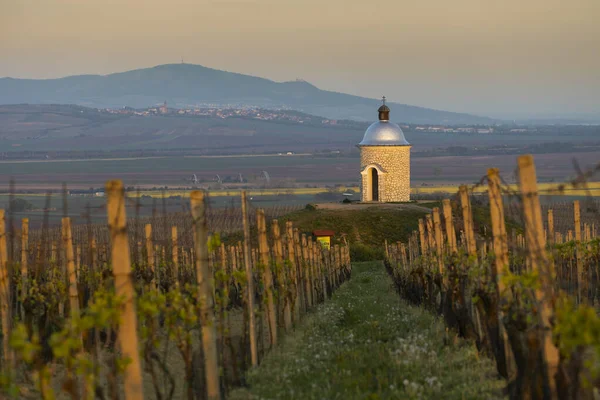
(384, 133)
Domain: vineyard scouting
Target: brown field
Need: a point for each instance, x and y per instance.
(297, 171)
(553, 166)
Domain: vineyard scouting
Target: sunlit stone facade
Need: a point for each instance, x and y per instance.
(392, 164)
(384, 162)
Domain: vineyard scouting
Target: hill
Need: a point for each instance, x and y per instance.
(44, 128)
(76, 128)
(184, 85)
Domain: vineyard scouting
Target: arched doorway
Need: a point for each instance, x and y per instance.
(372, 175)
(374, 189)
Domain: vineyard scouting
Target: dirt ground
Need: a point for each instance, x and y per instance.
(363, 206)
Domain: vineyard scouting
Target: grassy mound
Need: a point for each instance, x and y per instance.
(365, 229)
(367, 344)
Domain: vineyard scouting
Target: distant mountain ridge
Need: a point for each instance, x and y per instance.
(186, 85)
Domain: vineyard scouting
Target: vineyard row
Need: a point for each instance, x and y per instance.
(526, 299)
(185, 318)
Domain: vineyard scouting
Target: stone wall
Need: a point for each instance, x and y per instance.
(394, 183)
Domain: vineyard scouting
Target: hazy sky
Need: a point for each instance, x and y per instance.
(489, 57)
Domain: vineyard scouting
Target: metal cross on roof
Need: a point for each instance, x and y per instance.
(383, 100)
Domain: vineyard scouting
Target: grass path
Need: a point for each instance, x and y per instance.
(365, 343)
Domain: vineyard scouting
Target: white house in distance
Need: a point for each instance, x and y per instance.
(384, 161)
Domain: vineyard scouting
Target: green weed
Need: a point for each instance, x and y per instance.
(368, 344)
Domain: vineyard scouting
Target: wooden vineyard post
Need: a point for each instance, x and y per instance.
(53, 252)
(450, 234)
(586, 233)
(404, 256)
(289, 229)
(325, 261)
(250, 281)
(240, 255)
(159, 256)
(24, 260)
(429, 230)
(468, 220)
(500, 267)
(413, 248)
(471, 247)
(5, 298)
(78, 258)
(335, 260)
(121, 263)
(94, 253)
(335, 266)
(267, 275)
(254, 257)
(437, 227)
(205, 295)
(324, 269)
(150, 250)
(339, 260)
(233, 251)
(312, 268)
(306, 273)
(348, 260)
(422, 237)
(577, 220)
(67, 240)
(342, 263)
(37, 246)
(282, 275)
(54, 258)
(312, 249)
(223, 265)
(498, 228)
(300, 275)
(453, 232)
(223, 257)
(534, 230)
(551, 226)
(330, 268)
(581, 292)
(175, 254)
(316, 268)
